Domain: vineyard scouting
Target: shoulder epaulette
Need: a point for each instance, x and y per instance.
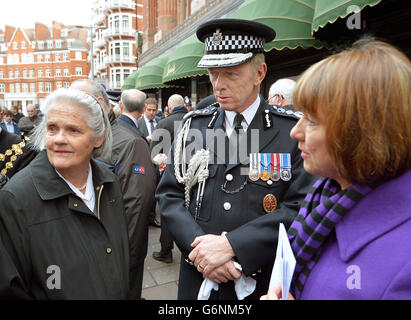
(286, 112)
(202, 112)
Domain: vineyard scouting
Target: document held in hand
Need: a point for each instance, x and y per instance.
(284, 264)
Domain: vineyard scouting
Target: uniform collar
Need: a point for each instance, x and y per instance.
(248, 114)
(382, 210)
(44, 175)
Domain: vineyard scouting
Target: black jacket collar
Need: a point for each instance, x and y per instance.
(50, 186)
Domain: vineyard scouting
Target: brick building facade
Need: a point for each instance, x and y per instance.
(35, 62)
(116, 27)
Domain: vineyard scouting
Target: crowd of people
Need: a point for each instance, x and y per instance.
(328, 156)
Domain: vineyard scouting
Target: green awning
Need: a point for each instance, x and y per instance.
(182, 62)
(291, 20)
(328, 11)
(151, 75)
(130, 82)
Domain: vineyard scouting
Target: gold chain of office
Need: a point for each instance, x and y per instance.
(17, 149)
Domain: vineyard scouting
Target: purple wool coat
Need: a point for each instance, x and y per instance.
(369, 254)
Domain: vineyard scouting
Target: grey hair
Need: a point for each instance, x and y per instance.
(92, 88)
(285, 87)
(133, 100)
(175, 100)
(96, 119)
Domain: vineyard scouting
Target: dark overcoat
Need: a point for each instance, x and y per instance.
(52, 246)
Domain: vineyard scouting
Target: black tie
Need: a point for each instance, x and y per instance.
(237, 122)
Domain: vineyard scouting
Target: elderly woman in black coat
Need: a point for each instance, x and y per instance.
(66, 236)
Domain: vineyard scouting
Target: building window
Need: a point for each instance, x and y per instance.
(66, 85)
(15, 45)
(17, 87)
(25, 87)
(58, 84)
(65, 56)
(126, 50)
(66, 72)
(40, 86)
(11, 74)
(126, 24)
(48, 86)
(39, 58)
(47, 58)
(48, 73)
(79, 71)
(63, 33)
(23, 45)
(78, 55)
(50, 44)
(1, 74)
(58, 72)
(2, 88)
(17, 74)
(58, 57)
(40, 45)
(11, 88)
(32, 87)
(40, 73)
(25, 73)
(31, 73)
(117, 24)
(58, 43)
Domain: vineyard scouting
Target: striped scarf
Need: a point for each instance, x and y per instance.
(323, 207)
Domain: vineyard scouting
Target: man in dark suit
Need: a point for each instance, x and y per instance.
(234, 173)
(138, 180)
(149, 119)
(129, 118)
(163, 137)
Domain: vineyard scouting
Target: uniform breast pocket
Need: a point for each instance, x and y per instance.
(265, 196)
(202, 210)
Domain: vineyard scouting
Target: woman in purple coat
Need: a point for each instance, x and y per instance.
(351, 237)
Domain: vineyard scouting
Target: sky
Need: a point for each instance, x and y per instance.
(25, 13)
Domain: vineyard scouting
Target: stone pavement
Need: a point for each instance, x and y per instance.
(160, 280)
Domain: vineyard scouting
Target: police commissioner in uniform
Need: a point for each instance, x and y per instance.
(244, 192)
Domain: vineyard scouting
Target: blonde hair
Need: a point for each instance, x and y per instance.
(363, 95)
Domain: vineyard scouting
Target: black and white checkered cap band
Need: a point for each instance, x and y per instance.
(234, 43)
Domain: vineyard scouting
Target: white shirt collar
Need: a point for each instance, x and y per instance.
(89, 196)
(248, 114)
(132, 118)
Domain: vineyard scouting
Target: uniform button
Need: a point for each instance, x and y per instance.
(98, 188)
(229, 177)
(227, 206)
(75, 205)
(108, 250)
(269, 182)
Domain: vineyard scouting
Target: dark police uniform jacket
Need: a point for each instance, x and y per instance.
(251, 232)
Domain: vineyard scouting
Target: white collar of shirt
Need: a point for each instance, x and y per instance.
(132, 118)
(248, 114)
(148, 124)
(89, 196)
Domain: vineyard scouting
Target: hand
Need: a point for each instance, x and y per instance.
(210, 251)
(148, 138)
(276, 294)
(224, 273)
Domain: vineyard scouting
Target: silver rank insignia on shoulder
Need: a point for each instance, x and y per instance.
(268, 119)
